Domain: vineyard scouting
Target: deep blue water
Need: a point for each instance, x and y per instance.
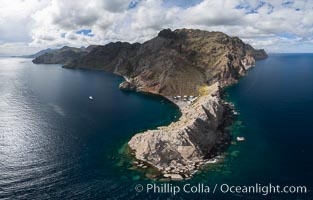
(57, 144)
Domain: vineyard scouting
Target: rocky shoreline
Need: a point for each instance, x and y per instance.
(180, 149)
(188, 62)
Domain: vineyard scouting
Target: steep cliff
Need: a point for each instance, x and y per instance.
(61, 56)
(164, 64)
(180, 148)
(192, 64)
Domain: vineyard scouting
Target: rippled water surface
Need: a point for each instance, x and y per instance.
(55, 143)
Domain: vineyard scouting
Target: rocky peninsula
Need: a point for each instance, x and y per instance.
(187, 66)
(179, 149)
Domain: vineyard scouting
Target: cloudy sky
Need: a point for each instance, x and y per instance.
(27, 26)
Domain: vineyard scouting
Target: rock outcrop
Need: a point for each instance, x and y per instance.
(183, 62)
(164, 64)
(40, 53)
(61, 56)
(183, 146)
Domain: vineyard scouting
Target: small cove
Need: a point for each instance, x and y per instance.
(56, 143)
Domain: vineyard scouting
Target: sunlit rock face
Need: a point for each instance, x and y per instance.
(181, 147)
(164, 64)
(175, 63)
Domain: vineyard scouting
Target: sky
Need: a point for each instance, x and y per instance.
(27, 26)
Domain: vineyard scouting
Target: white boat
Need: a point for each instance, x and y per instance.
(90, 97)
(239, 139)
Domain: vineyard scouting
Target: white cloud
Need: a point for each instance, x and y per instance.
(269, 24)
(15, 23)
(214, 13)
(116, 5)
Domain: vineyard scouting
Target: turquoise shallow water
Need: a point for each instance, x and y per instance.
(57, 144)
(275, 105)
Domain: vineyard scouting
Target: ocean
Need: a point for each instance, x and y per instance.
(56, 143)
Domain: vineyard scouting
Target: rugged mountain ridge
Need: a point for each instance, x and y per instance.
(183, 62)
(44, 51)
(164, 64)
(61, 56)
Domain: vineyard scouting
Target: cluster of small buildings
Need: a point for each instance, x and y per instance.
(189, 99)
